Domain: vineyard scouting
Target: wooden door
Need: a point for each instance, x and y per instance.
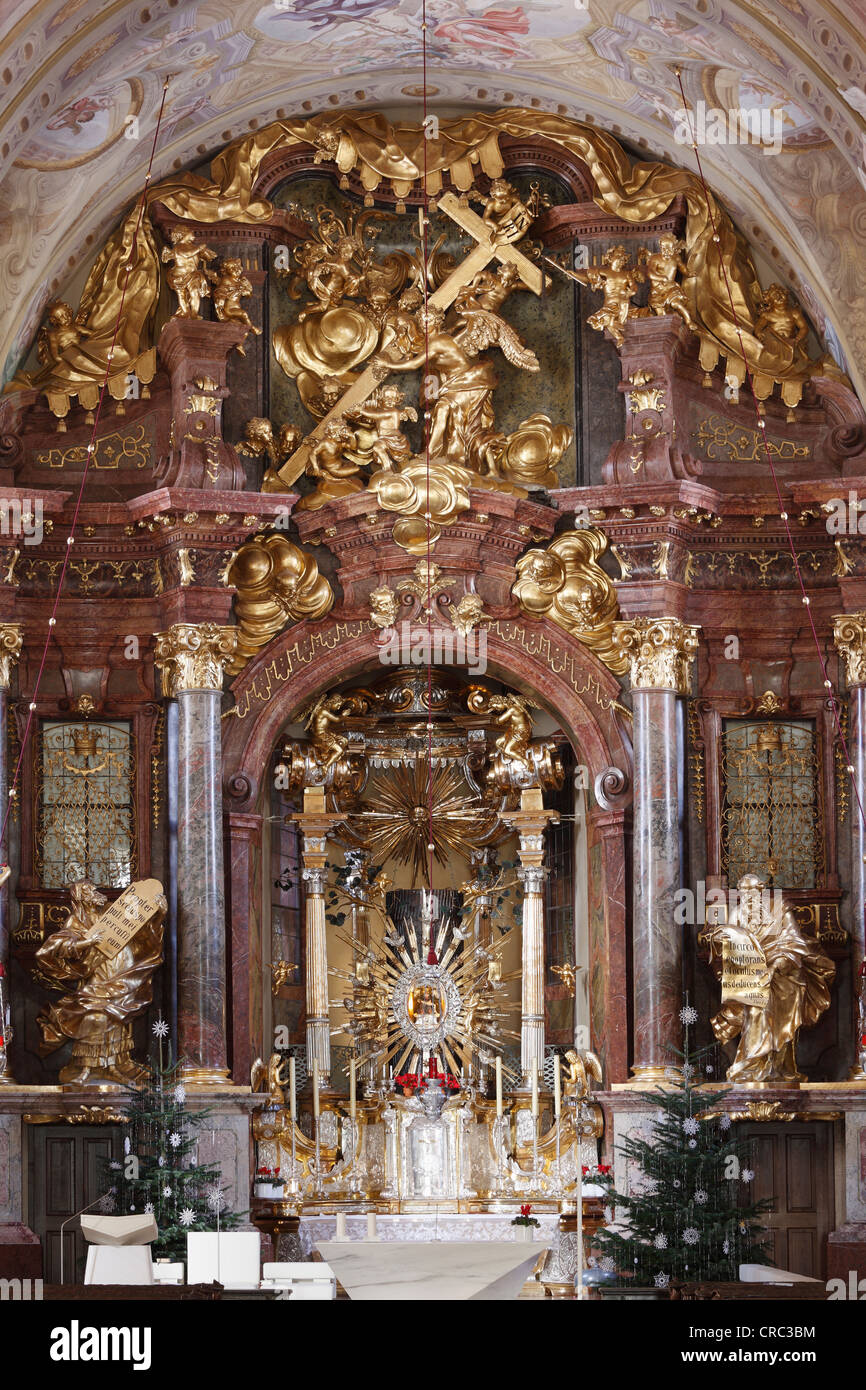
(65, 1168)
(793, 1166)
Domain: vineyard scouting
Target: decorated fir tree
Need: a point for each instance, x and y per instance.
(687, 1214)
(159, 1172)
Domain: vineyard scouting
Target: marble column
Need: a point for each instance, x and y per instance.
(660, 652)
(10, 650)
(530, 822)
(315, 824)
(849, 635)
(192, 658)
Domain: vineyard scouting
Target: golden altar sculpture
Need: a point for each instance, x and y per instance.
(110, 990)
(787, 989)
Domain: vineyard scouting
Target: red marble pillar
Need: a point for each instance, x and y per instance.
(246, 980)
(10, 649)
(849, 632)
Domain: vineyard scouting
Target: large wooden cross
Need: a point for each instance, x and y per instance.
(484, 252)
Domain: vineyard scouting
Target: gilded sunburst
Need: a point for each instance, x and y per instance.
(396, 823)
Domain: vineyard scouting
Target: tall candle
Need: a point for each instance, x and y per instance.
(535, 1088)
(341, 1233)
(315, 1088)
(499, 1088)
(371, 1226)
(293, 1107)
(557, 1085)
(352, 1106)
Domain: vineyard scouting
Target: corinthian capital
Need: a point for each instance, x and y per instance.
(193, 656)
(10, 650)
(660, 652)
(849, 634)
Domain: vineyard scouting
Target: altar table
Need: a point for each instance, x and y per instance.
(430, 1226)
(430, 1270)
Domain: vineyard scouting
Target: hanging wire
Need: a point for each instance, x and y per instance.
(91, 449)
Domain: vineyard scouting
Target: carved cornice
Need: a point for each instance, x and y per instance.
(660, 652)
(849, 635)
(193, 656)
(11, 637)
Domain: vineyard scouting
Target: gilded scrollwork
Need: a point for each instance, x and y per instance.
(566, 584)
(277, 583)
(849, 635)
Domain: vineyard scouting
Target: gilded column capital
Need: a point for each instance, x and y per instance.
(660, 652)
(849, 635)
(193, 656)
(11, 637)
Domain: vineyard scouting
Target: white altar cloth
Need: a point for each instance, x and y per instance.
(430, 1226)
(427, 1271)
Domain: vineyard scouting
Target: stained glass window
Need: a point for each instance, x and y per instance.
(771, 816)
(85, 791)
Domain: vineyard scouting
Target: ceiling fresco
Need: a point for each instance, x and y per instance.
(81, 83)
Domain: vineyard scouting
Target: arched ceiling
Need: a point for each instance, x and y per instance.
(73, 71)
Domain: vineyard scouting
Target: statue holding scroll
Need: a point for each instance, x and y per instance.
(775, 981)
(110, 987)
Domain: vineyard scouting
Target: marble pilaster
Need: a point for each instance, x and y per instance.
(192, 658)
(10, 650)
(660, 652)
(849, 635)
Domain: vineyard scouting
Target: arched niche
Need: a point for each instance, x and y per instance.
(537, 659)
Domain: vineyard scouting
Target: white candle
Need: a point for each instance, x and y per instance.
(352, 1105)
(557, 1085)
(341, 1226)
(499, 1088)
(315, 1088)
(535, 1088)
(293, 1108)
(371, 1226)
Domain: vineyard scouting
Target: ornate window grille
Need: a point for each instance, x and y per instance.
(772, 815)
(85, 793)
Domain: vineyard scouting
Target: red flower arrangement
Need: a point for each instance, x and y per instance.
(525, 1218)
(412, 1080)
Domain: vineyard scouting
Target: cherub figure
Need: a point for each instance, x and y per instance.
(467, 613)
(60, 331)
(230, 286)
(331, 274)
(505, 213)
(620, 281)
(400, 326)
(662, 268)
(332, 465)
(328, 746)
(188, 277)
(384, 606)
(513, 715)
(489, 289)
(259, 441)
(379, 440)
(781, 317)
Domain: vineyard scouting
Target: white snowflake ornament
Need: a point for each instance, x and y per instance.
(701, 1197)
(691, 1125)
(725, 1121)
(608, 1264)
(179, 1094)
(691, 1235)
(166, 1192)
(661, 1241)
(148, 1208)
(688, 1015)
(661, 1281)
(187, 1216)
(127, 1145)
(747, 1175)
(160, 1029)
(174, 1139)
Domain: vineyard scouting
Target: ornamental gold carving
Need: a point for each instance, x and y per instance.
(11, 636)
(277, 583)
(721, 291)
(659, 652)
(849, 635)
(193, 656)
(566, 584)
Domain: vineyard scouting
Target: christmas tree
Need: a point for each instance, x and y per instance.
(159, 1172)
(687, 1215)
